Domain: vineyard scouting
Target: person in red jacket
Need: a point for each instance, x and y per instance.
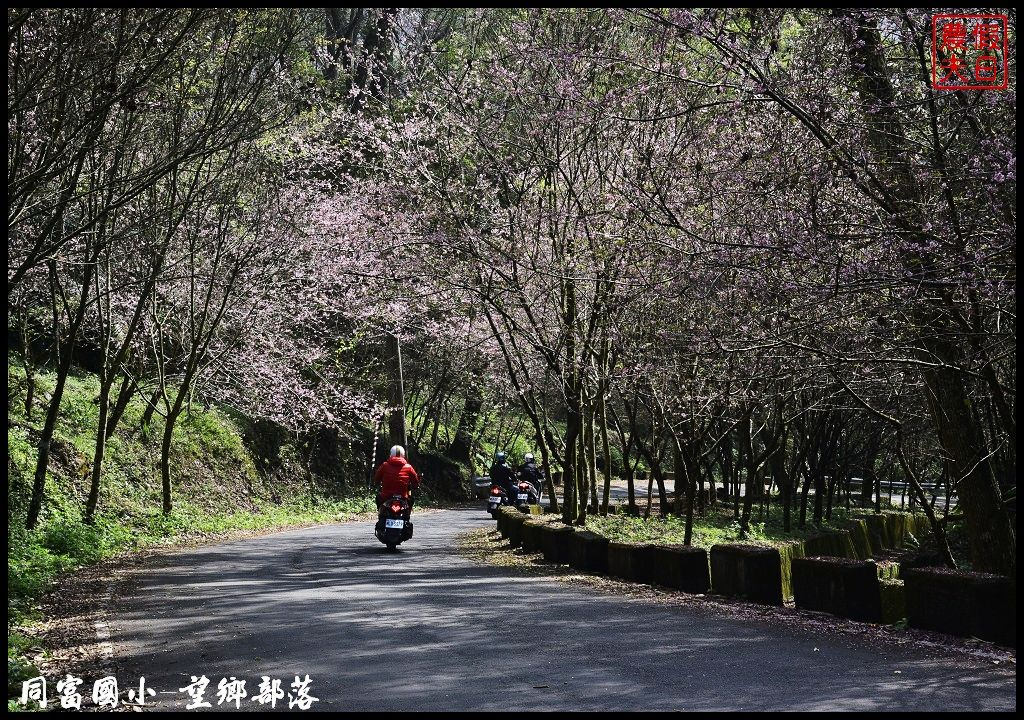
(396, 476)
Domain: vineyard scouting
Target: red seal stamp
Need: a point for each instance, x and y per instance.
(969, 52)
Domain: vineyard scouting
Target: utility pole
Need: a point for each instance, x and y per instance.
(396, 392)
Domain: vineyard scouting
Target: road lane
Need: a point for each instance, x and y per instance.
(426, 629)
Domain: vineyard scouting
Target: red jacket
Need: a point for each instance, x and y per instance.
(396, 477)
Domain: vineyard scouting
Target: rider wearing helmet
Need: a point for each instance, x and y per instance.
(503, 475)
(529, 472)
(396, 476)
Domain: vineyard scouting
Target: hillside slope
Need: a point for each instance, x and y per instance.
(219, 484)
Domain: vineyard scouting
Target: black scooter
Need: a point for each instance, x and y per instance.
(394, 526)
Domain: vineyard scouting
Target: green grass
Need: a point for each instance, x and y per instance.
(715, 526)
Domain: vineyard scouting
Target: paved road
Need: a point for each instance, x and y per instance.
(426, 629)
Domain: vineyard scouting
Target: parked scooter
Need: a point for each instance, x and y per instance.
(496, 499)
(394, 526)
(526, 497)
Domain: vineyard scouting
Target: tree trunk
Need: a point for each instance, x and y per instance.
(124, 396)
(147, 415)
(591, 459)
(607, 453)
(165, 462)
(546, 465)
(569, 502)
(50, 424)
(100, 448)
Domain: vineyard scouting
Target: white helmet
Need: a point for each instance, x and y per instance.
(528, 457)
(397, 451)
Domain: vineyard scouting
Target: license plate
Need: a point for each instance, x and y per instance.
(495, 501)
(524, 496)
(394, 524)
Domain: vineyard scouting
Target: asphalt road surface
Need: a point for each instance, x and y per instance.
(426, 629)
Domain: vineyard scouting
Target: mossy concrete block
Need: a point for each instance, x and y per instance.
(515, 534)
(748, 571)
(900, 526)
(555, 542)
(858, 530)
(878, 533)
(531, 542)
(588, 552)
(888, 570)
(788, 553)
(502, 523)
(889, 530)
(891, 599)
(830, 544)
(840, 586)
(682, 567)
(962, 603)
(631, 561)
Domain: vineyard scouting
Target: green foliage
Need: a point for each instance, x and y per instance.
(18, 668)
(515, 447)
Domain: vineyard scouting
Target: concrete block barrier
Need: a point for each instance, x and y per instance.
(682, 568)
(531, 536)
(830, 544)
(747, 571)
(588, 552)
(891, 530)
(962, 603)
(631, 561)
(891, 598)
(858, 529)
(840, 586)
(513, 522)
(555, 543)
